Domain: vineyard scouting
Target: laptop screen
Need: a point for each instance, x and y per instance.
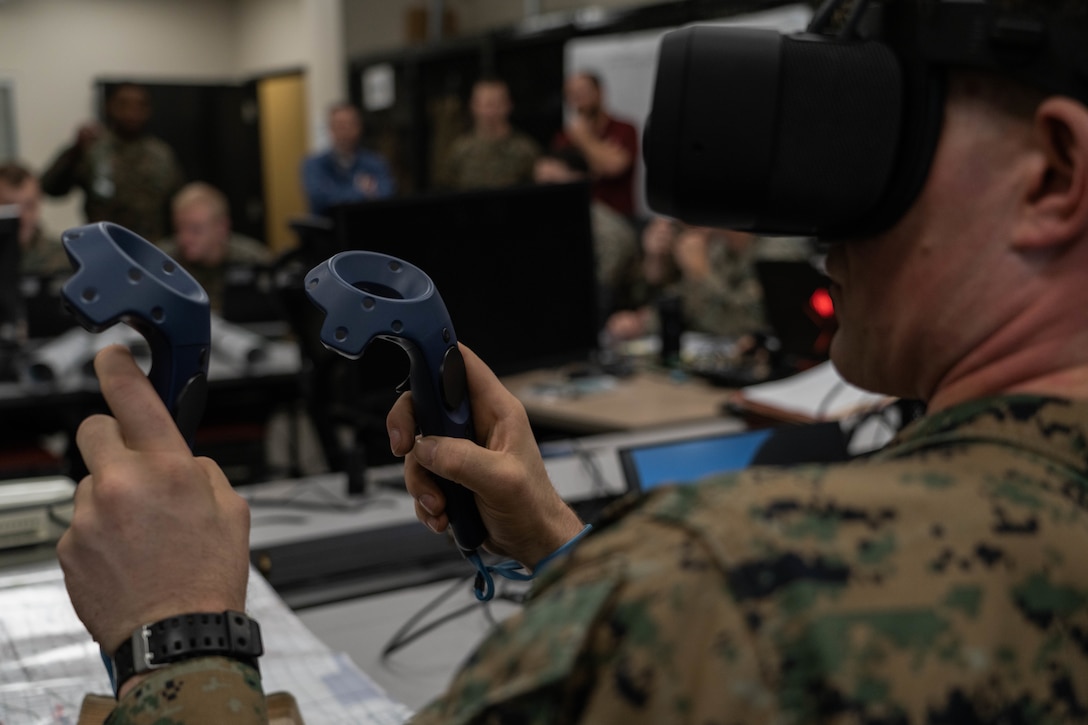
(690, 460)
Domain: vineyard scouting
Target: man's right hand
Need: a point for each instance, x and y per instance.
(156, 532)
(525, 517)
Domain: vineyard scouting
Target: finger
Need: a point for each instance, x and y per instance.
(145, 423)
(99, 440)
(437, 524)
(400, 424)
(478, 469)
(422, 487)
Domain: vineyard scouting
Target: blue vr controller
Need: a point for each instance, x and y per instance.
(367, 295)
(121, 277)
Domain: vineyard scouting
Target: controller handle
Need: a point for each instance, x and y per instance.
(121, 277)
(367, 295)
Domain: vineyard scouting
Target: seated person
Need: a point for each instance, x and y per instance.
(615, 243)
(40, 252)
(347, 172)
(494, 153)
(203, 242)
(711, 271)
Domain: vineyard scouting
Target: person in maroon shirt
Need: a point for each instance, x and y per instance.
(608, 144)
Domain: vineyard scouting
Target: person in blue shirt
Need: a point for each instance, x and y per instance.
(346, 172)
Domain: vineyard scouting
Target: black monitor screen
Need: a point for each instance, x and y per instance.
(514, 266)
(11, 311)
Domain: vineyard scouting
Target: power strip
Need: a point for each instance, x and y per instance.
(34, 510)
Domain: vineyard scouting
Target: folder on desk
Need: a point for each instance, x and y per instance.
(816, 395)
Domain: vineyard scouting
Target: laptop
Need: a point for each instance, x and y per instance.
(649, 466)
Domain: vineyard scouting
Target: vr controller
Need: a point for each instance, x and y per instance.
(121, 277)
(831, 134)
(367, 295)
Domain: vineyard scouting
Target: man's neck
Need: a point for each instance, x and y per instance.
(1045, 367)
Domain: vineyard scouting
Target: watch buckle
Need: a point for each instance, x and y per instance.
(142, 655)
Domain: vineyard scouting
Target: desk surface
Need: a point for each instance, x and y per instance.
(599, 404)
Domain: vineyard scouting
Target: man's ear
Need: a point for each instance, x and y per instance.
(1055, 204)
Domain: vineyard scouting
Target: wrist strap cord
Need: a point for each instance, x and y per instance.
(484, 587)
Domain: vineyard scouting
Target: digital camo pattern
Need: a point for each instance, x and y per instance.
(125, 182)
(205, 691)
(943, 580)
(242, 251)
(475, 162)
(729, 302)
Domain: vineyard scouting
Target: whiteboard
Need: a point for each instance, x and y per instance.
(627, 62)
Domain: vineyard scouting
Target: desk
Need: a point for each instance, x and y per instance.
(646, 399)
(59, 390)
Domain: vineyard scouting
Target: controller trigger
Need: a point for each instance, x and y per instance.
(404, 386)
(190, 403)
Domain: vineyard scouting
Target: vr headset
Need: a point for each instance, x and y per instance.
(831, 135)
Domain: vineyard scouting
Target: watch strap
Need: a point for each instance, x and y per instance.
(202, 634)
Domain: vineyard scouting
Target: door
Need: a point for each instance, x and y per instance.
(282, 113)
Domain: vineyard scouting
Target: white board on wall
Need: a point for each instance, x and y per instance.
(626, 64)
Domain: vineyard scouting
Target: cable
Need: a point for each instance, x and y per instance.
(829, 396)
(589, 463)
(484, 586)
(405, 635)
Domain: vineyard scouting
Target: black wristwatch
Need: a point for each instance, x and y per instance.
(205, 634)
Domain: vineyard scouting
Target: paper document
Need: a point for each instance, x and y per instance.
(48, 661)
(817, 394)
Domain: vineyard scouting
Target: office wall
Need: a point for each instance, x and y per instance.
(372, 26)
(270, 36)
(52, 51)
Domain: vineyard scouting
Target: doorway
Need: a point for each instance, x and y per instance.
(281, 103)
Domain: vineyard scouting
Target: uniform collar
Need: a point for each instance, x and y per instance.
(1054, 428)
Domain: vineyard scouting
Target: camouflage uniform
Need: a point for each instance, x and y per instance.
(475, 162)
(941, 580)
(617, 251)
(204, 691)
(241, 251)
(729, 302)
(43, 256)
(126, 182)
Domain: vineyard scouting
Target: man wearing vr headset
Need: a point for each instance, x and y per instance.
(940, 580)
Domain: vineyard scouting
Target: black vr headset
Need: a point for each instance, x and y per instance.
(831, 135)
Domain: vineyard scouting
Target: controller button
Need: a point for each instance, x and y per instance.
(451, 377)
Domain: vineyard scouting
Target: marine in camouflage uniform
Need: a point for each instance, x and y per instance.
(941, 580)
(728, 302)
(242, 251)
(477, 162)
(44, 255)
(125, 181)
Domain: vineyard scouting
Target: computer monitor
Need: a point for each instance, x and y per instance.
(515, 266)
(46, 315)
(11, 303)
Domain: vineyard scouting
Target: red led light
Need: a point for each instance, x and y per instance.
(821, 303)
